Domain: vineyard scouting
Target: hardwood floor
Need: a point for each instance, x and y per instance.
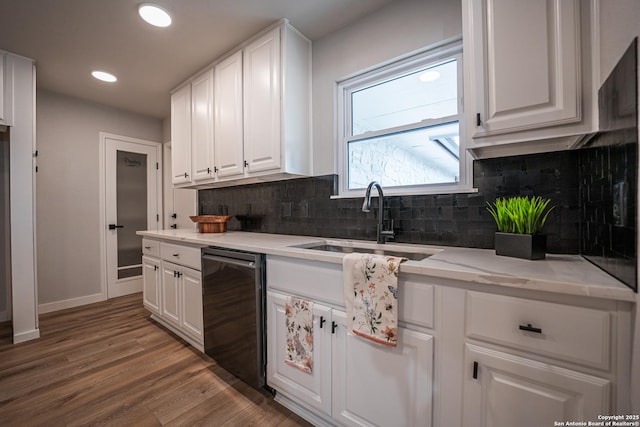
(109, 364)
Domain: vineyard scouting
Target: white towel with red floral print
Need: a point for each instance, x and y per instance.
(299, 323)
(371, 296)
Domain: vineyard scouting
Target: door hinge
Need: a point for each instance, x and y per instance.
(475, 370)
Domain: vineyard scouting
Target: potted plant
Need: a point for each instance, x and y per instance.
(519, 221)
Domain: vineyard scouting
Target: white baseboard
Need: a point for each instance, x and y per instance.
(4, 316)
(69, 303)
(26, 336)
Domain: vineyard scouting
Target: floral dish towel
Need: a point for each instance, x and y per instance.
(299, 322)
(371, 296)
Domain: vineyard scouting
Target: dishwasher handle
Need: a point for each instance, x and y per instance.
(238, 262)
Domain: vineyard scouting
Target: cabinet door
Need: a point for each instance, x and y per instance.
(513, 391)
(202, 160)
(170, 295)
(262, 103)
(313, 389)
(191, 290)
(527, 69)
(375, 385)
(151, 284)
(181, 136)
(228, 117)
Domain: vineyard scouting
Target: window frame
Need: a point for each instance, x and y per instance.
(398, 67)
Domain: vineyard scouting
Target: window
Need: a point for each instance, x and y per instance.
(401, 125)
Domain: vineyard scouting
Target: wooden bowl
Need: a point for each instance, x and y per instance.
(211, 223)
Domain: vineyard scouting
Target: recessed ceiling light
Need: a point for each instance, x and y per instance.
(104, 76)
(430, 76)
(154, 15)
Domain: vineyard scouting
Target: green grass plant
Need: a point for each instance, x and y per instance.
(520, 215)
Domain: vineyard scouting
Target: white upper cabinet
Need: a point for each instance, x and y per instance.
(261, 125)
(262, 106)
(228, 117)
(202, 160)
(181, 135)
(527, 71)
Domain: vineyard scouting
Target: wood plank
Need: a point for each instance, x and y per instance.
(108, 363)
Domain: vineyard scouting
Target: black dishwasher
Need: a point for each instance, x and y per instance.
(233, 298)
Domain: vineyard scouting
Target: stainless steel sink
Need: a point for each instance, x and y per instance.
(347, 248)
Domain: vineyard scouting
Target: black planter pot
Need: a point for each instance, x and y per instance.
(524, 246)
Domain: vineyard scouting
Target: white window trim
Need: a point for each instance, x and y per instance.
(439, 52)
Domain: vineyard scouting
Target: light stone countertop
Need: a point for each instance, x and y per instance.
(563, 274)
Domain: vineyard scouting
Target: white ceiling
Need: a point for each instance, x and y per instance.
(70, 38)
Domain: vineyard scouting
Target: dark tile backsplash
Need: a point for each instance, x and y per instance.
(303, 206)
(609, 176)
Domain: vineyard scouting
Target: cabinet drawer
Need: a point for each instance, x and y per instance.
(577, 334)
(150, 247)
(184, 255)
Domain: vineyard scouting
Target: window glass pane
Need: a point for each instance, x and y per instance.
(430, 93)
(423, 156)
(131, 199)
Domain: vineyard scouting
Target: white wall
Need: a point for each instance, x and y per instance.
(619, 24)
(395, 30)
(68, 230)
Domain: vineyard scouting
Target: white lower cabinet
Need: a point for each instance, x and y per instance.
(171, 293)
(533, 363)
(182, 298)
(503, 390)
(172, 289)
(353, 381)
(503, 357)
(191, 303)
(312, 390)
(381, 386)
(151, 284)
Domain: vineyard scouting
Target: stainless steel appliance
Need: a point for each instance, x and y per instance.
(234, 312)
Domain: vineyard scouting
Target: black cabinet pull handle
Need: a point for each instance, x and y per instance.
(530, 328)
(478, 120)
(174, 215)
(334, 326)
(215, 169)
(155, 268)
(186, 175)
(176, 255)
(114, 226)
(208, 170)
(246, 164)
(322, 321)
(147, 247)
(475, 370)
(174, 226)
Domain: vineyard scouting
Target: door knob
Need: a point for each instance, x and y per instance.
(113, 226)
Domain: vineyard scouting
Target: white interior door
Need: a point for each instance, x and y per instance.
(132, 203)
